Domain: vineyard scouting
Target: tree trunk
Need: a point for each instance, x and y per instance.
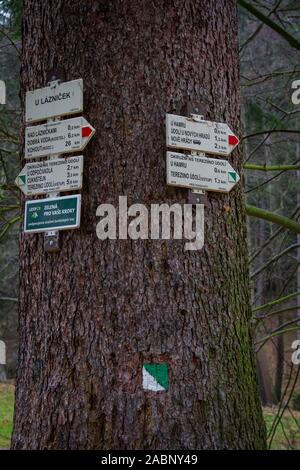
(298, 249)
(94, 313)
(263, 363)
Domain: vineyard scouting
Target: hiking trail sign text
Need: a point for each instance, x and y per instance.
(61, 213)
(49, 176)
(59, 100)
(70, 135)
(199, 135)
(200, 172)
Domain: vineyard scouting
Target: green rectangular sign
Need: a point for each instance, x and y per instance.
(61, 213)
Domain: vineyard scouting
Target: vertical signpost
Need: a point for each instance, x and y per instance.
(58, 173)
(51, 238)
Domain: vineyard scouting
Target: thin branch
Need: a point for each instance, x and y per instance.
(265, 19)
(258, 186)
(8, 225)
(263, 78)
(277, 301)
(274, 218)
(253, 166)
(277, 333)
(277, 312)
(254, 34)
(11, 41)
(251, 37)
(279, 329)
(272, 237)
(275, 258)
(8, 299)
(270, 131)
(279, 416)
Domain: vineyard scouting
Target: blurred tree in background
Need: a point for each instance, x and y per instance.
(269, 52)
(10, 44)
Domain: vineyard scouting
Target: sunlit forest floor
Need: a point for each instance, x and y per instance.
(287, 434)
(6, 414)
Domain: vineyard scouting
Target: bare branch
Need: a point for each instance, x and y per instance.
(274, 218)
(265, 19)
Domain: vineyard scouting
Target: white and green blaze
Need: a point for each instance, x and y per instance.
(232, 176)
(22, 180)
(156, 377)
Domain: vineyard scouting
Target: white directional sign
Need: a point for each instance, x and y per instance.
(60, 100)
(203, 136)
(50, 176)
(70, 135)
(200, 172)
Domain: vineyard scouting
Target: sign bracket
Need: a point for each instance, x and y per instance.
(197, 196)
(52, 238)
(197, 113)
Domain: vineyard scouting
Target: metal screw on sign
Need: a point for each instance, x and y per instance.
(51, 241)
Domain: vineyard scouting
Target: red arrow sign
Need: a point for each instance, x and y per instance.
(86, 131)
(192, 133)
(59, 137)
(233, 140)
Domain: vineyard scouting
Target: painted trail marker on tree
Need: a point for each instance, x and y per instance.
(69, 135)
(156, 377)
(52, 101)
(199, 135)
(49, 176)
(2, 353)
(2, 92)
(200, 172)
(61, 213)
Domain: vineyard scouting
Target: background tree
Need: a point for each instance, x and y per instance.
(9, 165)
(271, 29)
(93, 314)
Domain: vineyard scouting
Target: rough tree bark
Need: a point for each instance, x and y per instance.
(93, 314)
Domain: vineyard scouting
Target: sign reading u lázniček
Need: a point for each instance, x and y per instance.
(69, 135)
(49, 176)
(202, 136)
(61, 213)
(200, 172)
(59, 100)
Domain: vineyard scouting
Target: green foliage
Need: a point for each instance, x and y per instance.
(287, 436)
(6, 414)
